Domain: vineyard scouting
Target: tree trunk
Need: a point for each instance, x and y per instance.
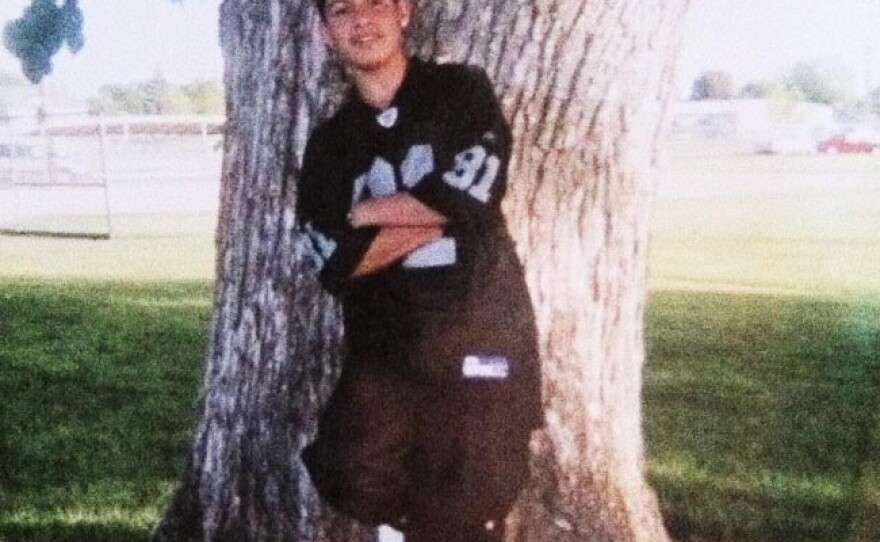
(274, 351)
(585, 85)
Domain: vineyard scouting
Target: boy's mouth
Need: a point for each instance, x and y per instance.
(366, 40)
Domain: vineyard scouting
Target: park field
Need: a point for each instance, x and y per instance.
(762, 389)
(793, 224)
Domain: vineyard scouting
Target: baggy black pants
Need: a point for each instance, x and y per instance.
(439, 462)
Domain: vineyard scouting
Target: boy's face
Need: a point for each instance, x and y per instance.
(366, 33)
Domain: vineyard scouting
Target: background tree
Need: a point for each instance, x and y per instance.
(157, 96)
(713, 85)
(204, 97)
(758, 89)
(870, 104)
(819, 82)
(40, 32)
(585, 85)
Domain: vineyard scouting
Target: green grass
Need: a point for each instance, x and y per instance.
(759, 413)
(759, 409)
(867, 528)
(98, 384)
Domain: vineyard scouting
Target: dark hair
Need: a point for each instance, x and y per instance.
(322, 8)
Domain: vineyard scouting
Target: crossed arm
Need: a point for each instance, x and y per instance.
(405, 224)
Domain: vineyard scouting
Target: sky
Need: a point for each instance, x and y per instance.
(761, 39)
(130, 40)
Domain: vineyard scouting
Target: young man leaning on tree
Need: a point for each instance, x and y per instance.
(429, 425)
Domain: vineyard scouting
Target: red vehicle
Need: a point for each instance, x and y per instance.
(848, 142)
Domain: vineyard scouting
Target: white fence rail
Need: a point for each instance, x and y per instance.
(60, 172)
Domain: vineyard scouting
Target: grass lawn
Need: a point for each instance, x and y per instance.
(759, 412)
(758, 409)
(99, 385)
(762, 391)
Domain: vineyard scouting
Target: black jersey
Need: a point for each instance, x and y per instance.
(444, 141)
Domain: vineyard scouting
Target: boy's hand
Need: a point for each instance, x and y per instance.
(393, 243)
(397, 210)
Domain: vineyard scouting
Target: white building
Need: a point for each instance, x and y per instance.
(751, 121)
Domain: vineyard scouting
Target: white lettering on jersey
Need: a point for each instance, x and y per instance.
(322, 246)
(468, 164)
(379, 181)
(418, 164)
(387, 118)
(434, 254)
(481, 189)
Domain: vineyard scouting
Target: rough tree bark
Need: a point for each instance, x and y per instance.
(585, 84)
(273, 354)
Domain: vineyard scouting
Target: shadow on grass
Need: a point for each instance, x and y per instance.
(758, 413)
(60, 532)
(99, 385)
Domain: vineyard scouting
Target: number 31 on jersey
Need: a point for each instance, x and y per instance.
(468, 165)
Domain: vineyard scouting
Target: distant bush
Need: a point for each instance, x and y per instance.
(820, 82)
(713, 85)
(157, 96)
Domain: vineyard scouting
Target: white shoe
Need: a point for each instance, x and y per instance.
(387, 534)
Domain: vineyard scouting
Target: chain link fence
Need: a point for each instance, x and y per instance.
(75, 174)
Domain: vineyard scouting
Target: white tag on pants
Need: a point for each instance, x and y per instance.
(387, 534)
(491, 367)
